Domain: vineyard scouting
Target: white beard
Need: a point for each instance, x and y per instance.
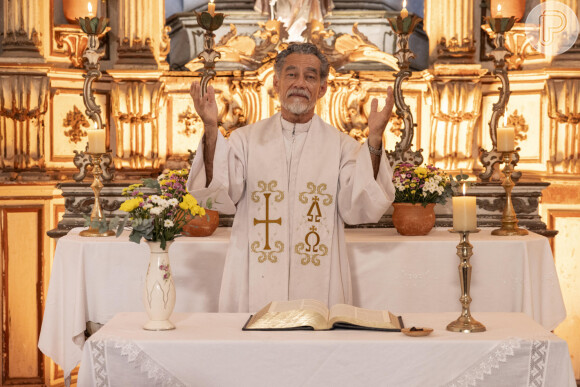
(298, 108)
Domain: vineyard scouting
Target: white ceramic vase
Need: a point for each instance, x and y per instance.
(159, 291)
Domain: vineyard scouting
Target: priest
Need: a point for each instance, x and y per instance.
(292, 181)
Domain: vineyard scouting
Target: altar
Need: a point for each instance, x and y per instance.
(93, 279)
(210, 349)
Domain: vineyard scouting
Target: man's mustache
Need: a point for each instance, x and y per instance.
(300, 92)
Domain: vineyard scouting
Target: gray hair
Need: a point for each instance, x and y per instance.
(302, 48)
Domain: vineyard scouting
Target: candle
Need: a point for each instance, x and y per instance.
(404, 12)
(498, 13)
(96, 140)
(464, 212)
(211, 8)
(90, 9)
(505, 137)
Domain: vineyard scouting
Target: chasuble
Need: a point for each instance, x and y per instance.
(291, 187)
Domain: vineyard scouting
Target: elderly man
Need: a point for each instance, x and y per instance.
(292, 181)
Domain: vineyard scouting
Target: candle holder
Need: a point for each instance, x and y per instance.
(403, 27)
(93, 27)
(97, 213)
(465, 323)
(209, 22)
(499, 26)
(509, 220)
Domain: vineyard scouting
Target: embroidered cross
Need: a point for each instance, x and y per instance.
(314, 217)
(267, 221)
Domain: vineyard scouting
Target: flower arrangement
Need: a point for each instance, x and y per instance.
(159, 213)
(420, 184)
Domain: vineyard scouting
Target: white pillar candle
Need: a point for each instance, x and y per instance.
(96, 140)
(505, 139)
(464, 213)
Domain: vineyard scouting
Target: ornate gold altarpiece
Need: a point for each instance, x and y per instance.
(151, 124)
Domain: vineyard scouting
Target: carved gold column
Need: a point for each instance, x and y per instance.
(137, 104)
(564, 113)
(24, 21)
(143, 39)
(456, 97)
(23, 105)
(449, 25)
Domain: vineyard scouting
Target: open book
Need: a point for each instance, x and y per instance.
(313, 314)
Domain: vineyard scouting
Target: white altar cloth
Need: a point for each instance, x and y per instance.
(209, 349)
(92, 279)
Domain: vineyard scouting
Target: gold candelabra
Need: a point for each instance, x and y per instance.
(97, 216)
(403, 25)
(465, 323)
(498, 28)
(94, 27)
(509, 220)
(209, 21)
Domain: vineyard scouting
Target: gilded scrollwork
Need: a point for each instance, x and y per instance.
(190, 121)
(76, 120)
(519, 123)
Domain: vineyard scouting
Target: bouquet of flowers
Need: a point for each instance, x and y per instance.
(420, 184)
(159, 208)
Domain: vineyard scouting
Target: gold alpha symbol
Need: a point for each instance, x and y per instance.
(267, 221)
(314, 217)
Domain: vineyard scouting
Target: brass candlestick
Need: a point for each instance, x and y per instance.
(509, 220)
(465, 323)
(403, 27)
(209, 22)
(97, 213)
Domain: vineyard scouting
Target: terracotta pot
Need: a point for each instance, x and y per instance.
(74, 9)
(413, 219)
(201, 226)
(515, 8)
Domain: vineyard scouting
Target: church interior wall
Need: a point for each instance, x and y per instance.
(151, 125)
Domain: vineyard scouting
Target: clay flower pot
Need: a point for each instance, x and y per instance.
(413, 219)
(201, 226)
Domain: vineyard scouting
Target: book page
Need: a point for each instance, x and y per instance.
(290, 314)
(362, 317)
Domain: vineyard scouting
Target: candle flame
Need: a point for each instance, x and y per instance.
(95, 125)
(499, 8)
(90, 7)
(404, 3)
(211, 1)
(505, 118)
(463, 187)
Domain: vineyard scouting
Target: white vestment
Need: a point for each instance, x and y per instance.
(292, 187)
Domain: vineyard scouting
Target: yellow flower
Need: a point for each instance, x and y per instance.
(413, 191)
(421, 171)
(130, 204)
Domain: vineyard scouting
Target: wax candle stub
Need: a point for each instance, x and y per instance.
(505, 139)
(404, 12)
(211, 8)
(96, 140)
(464, 213)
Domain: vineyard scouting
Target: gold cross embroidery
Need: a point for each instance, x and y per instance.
(267, 221)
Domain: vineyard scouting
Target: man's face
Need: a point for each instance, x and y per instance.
(299, 85)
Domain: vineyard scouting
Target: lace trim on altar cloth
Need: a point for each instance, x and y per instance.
(147, 365)
(99, 364)
(538, 360)
(493, 360)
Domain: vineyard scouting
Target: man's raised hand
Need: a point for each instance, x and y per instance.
(206, 106)
(378, 119)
